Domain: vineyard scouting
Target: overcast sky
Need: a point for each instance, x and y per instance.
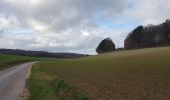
(74, 25)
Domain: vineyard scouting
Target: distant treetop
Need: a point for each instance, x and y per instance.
(105, 45)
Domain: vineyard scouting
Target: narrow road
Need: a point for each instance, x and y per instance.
(12, 81)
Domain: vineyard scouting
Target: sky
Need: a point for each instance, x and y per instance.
(76, 26)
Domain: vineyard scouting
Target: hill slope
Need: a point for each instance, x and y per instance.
(124, 75)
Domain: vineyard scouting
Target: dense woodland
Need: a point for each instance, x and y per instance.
(149, 36)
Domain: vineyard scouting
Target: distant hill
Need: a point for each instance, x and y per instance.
(40, 53)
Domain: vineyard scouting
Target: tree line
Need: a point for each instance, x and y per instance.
(141, 37)
(149, 36)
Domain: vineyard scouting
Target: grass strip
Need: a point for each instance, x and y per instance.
(43, 86)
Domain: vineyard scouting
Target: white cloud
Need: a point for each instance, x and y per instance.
(71, 25)
(56, 25)
(150, 11)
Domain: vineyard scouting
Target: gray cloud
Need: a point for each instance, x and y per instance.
(61, 14)
(57, 25)
(71, 25)
(150, 11)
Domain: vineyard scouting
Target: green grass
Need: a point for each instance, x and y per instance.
(45, 87)
(7, 61)
(142, 74)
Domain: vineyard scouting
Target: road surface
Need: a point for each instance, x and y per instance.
(12, 81)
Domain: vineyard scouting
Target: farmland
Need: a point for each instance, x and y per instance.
(7, 61)
(142, 74)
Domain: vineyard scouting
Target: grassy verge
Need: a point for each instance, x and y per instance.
(43, 86)
(125, 75)
(7, 61)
